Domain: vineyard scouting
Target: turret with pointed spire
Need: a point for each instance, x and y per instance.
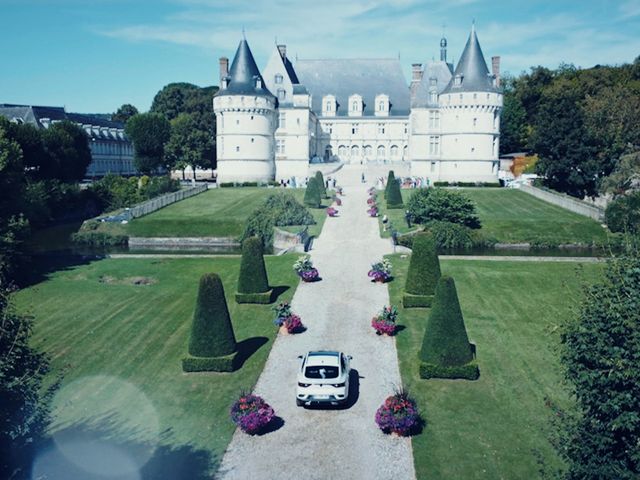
(471, 74)
(245, 122)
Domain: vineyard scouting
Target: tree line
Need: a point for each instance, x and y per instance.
(580, 122)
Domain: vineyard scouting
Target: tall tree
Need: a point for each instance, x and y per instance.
(513, 121)
(601, 356)
(124, 113)
(149, 133)
(188, 145)
(69, 155)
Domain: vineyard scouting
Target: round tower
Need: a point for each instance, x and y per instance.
(245, 122)
(470, 106)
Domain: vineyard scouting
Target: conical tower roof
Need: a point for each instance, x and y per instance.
(244, 73)
(471, 74)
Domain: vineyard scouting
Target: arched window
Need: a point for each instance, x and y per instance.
(342, 150)
(354, 106)
(381, 151)
(355, 151)
(394, 151)
(405, 152)
(368, 150)
(278, 78)
(328, 152)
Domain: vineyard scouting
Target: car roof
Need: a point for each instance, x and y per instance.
(323, 357)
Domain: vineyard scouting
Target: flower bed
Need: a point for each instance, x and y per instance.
(332, 212)
(373, 211)
(371, 201)
(291, 322)
(380, 271)
(304, 268)
(251, 413)
(398, 414)
(338, 202)
(385, 322)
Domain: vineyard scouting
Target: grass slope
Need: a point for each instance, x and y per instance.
(94, 321)
(512, 216)
(491, 427)
(219, 212)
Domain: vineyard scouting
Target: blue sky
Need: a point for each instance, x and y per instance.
(94, 55)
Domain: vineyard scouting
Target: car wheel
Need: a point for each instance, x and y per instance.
(299, 402)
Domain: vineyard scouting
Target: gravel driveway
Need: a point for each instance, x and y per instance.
(331, 443)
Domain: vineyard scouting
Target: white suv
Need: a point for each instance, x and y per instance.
(323, 378)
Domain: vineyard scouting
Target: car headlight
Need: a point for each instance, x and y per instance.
(304, 384)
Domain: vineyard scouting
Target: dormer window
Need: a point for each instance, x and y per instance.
(258, 81)
(329, 106)
(433, 81)
(355, 106)
(278, 78)
(282, 93)
(457, 81)
(433, 97)
(382, 105)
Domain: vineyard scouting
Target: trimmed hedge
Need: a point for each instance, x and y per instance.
(261, 298)
(424, 266)
(416, 301)
(227, 363)
(427, 204)
(468, 184)
(99, 239)
(211, 332)
(445, 347)
(323, 188)
(253, 273)
(393, 194)
(391, 178)
(313, 193)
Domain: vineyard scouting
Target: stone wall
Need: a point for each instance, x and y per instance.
(568, 203)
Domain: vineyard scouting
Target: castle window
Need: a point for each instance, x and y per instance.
(354, 106)
(475, 122)
(433, 167)
(475, 96)
(251, 117)
(237, 148)
(281, 94)
(355, 151)
(434, 119)
(354, 129)
(381, 106)
(394, 151)
(280, 147)
(252, 140)
(406, 128)
(238, 121)
(457, 80)
(381, 128)
(433, 97)
(342, 150)
(282, 120)
(434, 145)
(381, 151)
(368, 150)
(278, 78)
(461, 96)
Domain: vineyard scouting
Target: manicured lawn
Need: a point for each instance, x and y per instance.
(220, 212)
(492, 427)
(94, 321)
(512, 216)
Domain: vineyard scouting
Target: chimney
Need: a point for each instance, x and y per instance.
(224, 68)
(416, 76)
(495, 69)
(283, 51)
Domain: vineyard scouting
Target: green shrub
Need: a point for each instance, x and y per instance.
(428, 204)
(424, 266)
(249, 184)
(391, 179)
(623, 213)
(323, 189)
(259, 298)
(393, 194)
(99, 239)
(445, 342)
(279, 209)
(416, 301)
(227, 363)
(226, 184)
(211, 332)
(449, 235)
(313, 193)
(440, 184)
(253, 273)
(470, 371)
(157, 186)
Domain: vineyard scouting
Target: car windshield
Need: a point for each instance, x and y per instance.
(321, 371)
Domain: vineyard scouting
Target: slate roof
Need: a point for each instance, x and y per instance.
(442, 72)
(365, 77)
(33, 114)
(290, 70)
(243, 73)
(472, 68)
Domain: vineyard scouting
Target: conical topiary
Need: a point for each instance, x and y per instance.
(323, 187)
(424, 272)
(253, 285)
(312, 193)
(391, 178)
(393, 194)
(212, 345)
(446, 351)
